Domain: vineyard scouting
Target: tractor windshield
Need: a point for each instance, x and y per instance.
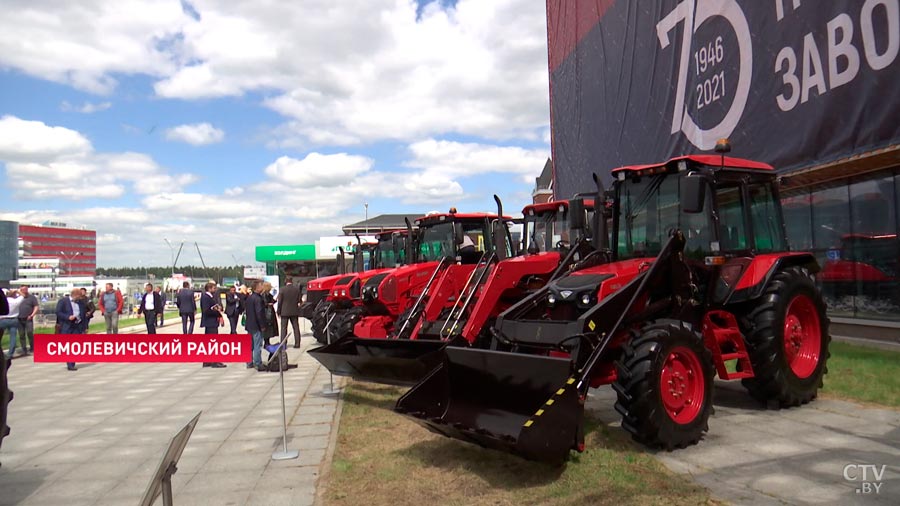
(437, 240)
(389, 252)
(648, 209)
(547, 231)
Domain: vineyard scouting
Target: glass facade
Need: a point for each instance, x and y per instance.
(9, 250)
(852, 228)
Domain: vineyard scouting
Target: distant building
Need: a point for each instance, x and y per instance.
(76, 248)
(9, 245)
(543, 185)
(380, 223)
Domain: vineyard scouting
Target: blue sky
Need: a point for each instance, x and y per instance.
(241, 124)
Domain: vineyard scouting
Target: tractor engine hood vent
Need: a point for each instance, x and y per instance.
(572, 287)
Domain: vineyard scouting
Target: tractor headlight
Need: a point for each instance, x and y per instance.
(343, 293)
(551, 299)
(586, 299)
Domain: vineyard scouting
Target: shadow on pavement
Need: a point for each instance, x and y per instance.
(17, 485)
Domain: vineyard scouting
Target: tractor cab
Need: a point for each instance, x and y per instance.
(697, 282)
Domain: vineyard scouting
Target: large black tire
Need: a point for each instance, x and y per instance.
(342, 326)
(776, 381)
(401, 320)
(6, 395)
(678, 416)
(320, 319)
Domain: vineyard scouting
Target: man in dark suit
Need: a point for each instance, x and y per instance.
(255, 325)
(162, 307)
(151, 304)
(187, 307)
(233, 308)
(70, 311)
(210, 316)
(288, 307)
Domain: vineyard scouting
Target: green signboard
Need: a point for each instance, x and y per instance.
(293, 253)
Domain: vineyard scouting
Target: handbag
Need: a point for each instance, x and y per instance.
(244, 320)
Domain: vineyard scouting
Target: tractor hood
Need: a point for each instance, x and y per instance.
(392, 284)
(323, 283)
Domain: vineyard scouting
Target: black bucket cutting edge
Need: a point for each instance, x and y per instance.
(527, 405)
(388, 361)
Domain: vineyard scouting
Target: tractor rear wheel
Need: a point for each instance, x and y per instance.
(664, 385)
(5, 395)
(319, 320)
(787, 340)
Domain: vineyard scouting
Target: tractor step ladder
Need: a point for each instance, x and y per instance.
(466, 296)
(720, 330)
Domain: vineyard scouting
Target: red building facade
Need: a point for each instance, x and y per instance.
(75, 248)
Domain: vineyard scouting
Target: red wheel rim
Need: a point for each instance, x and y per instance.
(802, 336)
(682, 385)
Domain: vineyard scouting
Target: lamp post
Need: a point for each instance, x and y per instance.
(68, 259)
(172, 252)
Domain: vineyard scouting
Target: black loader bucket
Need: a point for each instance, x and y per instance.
(389, 361)
(523, 404)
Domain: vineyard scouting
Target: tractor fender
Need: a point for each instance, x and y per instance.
(756, 276)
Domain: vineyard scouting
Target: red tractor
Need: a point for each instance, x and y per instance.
(457, 240)
(460, 304)
(323, 295)
(698, 276)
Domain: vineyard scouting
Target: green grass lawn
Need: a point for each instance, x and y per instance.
(863, 374)
(384, 459)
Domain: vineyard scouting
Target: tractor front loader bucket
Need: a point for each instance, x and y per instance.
(523, 404)
(388, 361)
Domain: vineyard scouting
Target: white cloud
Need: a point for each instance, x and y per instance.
(198, 134)
(449, 159)
(34, 140)
(318, 170)
(341, 73)
(85, 108)
(53, 162)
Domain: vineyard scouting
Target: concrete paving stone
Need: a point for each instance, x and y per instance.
(257, 433)
(220, 482)
(236, 462)
(296, 477)
(72, 490)
(210, 435)
(235, 498)
(314, 429)
(280, 498)
(200, 449)
(312, 419)
(307, 458)
(63, 455)
(308, 442)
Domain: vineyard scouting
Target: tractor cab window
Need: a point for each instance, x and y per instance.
(385, 254)
(732, 232)
(649, 211)
(768, 235)
(437, 240)
(548, 231)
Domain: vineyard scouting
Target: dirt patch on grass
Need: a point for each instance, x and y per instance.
(384, 459)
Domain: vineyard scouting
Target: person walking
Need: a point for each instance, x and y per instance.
(210, 316)
(162, 307)
(288, 308)
(233, 308)
(256, 325)
(89, 309)
(150, 304)
(187, 307)
(271, 319)
(10, 321)
(111, 303)
(70, 312)
(28, 309)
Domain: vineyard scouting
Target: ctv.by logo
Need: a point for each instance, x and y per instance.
(869, 477)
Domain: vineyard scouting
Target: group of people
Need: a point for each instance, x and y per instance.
(18, 318)
(261, 311)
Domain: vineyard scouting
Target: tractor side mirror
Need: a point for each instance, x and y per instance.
(693, 193)
(576, 214)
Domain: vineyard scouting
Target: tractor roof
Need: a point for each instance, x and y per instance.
(382, 233)
(553, 205)
(711, 160)
(449, 217)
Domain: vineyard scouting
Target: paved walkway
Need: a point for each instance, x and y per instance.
(794, 456)
(95, 436)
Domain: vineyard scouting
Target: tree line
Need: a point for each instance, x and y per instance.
(192, 271)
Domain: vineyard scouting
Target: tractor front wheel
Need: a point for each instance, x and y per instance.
(787, 340)
(664, 385)
(342, 326)
(319, 320)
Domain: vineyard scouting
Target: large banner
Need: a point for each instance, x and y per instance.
(793, 83)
